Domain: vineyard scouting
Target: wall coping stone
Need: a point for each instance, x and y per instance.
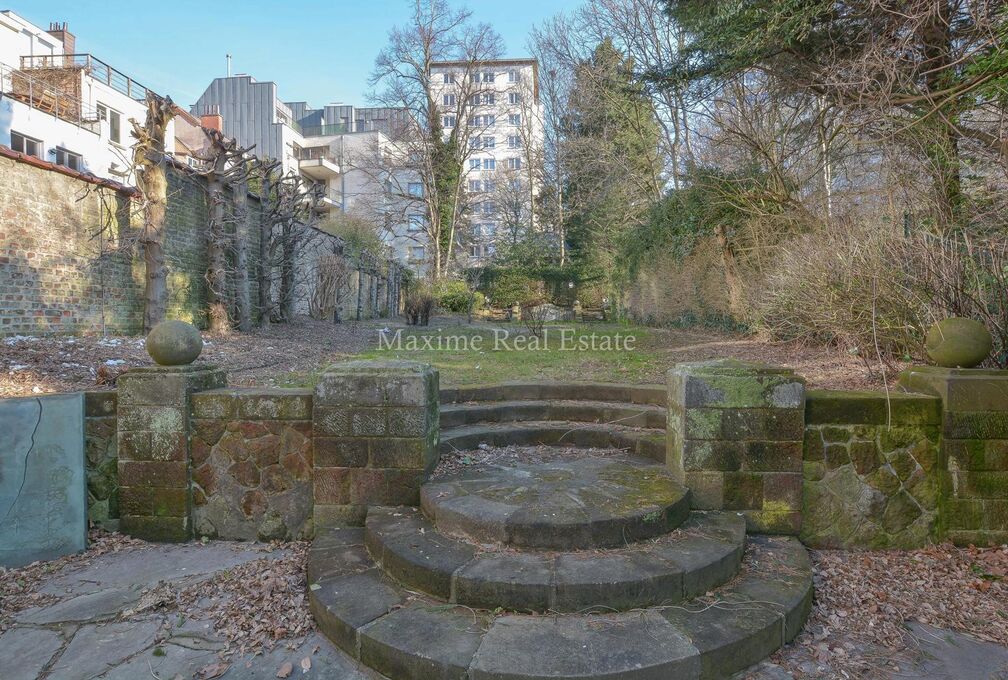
(733, 367)
(847, 407)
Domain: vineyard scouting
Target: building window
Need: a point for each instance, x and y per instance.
(488, 249)
(449, 121)
(489, 164)
(475, 186)
(514, 164)
(489, 142)
(474, 164)
(514, 98)
(514, 76)
(449, 100)
(488, 76)
(417, 223)
(474, 142)
(489, 208)
(415, 189)
(26, 145)
(514, 119)
(417, 253)
(489, 98)
(474, 100)
(489, 185)
(514, 142)
(69, 159)
(114, 119)
(448, 78)
(474, 251)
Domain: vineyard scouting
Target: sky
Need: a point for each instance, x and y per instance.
(319, 52)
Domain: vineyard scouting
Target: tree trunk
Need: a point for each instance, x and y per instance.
(730, 265)
(265, 265)
(242, 226)
(155, 188)
(218, 322)
(287, 274)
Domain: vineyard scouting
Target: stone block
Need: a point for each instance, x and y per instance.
(415, 421)
(100, 403)
(341, 452)
(162, 529)
(153, 473)
(865, 456)
(43, 487)
(836, 407)
(152, 418)
(986, 485)
(344, 515)
(332, 486)
(215, 404)
(743, 491)
(712, 455)
(331, 421)
(735, 384)
(394, 452)
(772, 456)
(976, 425)
(813, 449)
(750, 424)
(960, 389)
(369, 422)
(978, 454)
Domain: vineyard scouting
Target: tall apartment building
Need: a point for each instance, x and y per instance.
(504, 133)
(70, 108)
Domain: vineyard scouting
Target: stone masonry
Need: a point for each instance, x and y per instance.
(375, 429)
(874, 472)
(101, 457)
(975, 446)
(735, 432)
(252, 463)
(154, 448)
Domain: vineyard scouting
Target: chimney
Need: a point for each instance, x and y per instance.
(60, 32)
(212, 118)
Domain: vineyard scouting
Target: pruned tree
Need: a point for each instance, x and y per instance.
(149, 163)
(226, 168)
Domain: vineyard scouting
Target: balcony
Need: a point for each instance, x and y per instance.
(45, 96)
(92, 67)
(318, 163)
(329, 201)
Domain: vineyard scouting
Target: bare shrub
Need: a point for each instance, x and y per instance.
(534, 317)
(418, 305)
(875, 291)
(332, 275)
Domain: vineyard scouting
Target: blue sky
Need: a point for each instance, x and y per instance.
(317, 51)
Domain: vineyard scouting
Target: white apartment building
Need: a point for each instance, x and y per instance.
(64, 107)
(503, 121)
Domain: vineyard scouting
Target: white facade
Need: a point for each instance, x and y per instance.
(66, 108)
(505, 134)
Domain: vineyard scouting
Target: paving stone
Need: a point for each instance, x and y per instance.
(420, 642)
(170, 661)
(96, 606)
(637, 646)
(97, 649)
(25, 651)
(949, 655)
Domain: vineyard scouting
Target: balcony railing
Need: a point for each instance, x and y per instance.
(323, 130)
(95, 68)
(313, 153)
(43, 96)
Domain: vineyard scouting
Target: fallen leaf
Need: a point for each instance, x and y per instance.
(285, 670)
(305, 665)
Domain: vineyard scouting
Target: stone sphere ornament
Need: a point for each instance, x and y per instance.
(174, 343)
(957, 342)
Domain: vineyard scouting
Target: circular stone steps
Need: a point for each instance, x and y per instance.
(581, 504)
(646, 443)
(405, 636)
(514, 391)
(613, 413)
(700, 555)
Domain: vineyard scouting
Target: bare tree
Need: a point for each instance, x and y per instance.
(149, 162)
(425, 165)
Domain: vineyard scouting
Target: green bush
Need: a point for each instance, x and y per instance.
(454, 295)
(510, 287)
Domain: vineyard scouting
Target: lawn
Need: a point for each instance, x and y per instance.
(467, 355)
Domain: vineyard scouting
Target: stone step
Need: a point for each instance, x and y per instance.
(607, 392)
(405, 636)
(628, 415)
(581, 504)
(699, 556)
(646, 443)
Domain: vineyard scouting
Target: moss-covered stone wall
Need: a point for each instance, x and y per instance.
(873, 471)
(101, 458)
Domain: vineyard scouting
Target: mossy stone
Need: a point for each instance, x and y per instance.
(957, 342)
(174, 343)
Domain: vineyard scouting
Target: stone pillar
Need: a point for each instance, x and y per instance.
(154, 448)
(735, 433)
(375, 430)
(974, 446)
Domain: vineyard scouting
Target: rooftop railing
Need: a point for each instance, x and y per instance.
(46, 97)
(311, 153)
(95, 68)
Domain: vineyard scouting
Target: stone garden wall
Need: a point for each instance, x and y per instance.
(874, 473)
(252, 460)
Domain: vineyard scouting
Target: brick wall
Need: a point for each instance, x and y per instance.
(58, 275)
